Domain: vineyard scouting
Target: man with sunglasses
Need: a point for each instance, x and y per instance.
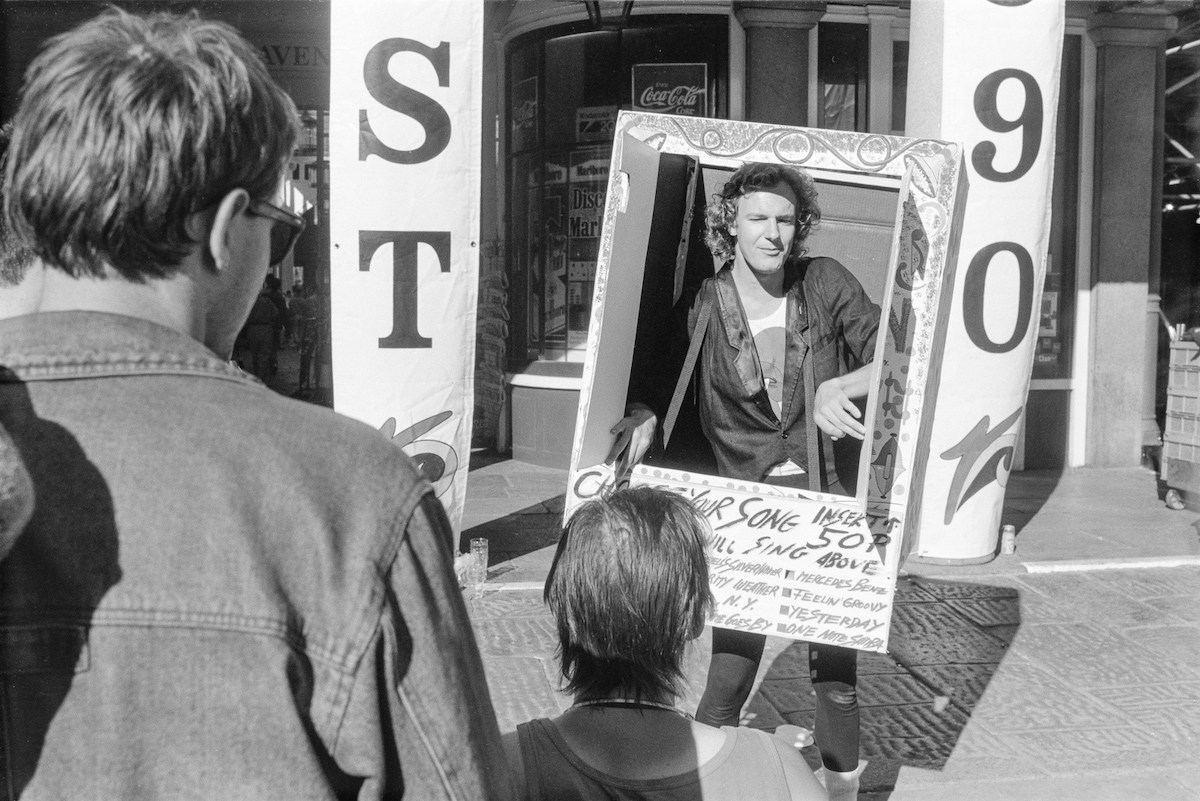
(221, 592)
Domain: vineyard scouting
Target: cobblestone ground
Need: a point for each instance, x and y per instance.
(999, 683)
(1055, 686)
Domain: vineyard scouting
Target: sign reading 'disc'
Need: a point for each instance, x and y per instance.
(795, 564)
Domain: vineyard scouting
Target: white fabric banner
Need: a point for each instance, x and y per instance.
(404, 145)
(986, 73)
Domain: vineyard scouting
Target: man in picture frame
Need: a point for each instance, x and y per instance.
(780, 346)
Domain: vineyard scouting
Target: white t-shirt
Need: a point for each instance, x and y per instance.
(770, 342)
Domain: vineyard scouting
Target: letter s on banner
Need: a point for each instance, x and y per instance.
(398, 97)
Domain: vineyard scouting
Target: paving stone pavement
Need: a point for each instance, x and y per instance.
(1079, 683)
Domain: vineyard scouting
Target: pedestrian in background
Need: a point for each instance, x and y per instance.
(258, 335)
(203, 604)
(282, 329)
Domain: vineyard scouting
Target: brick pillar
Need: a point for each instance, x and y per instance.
(1126, 233)
(777, 59)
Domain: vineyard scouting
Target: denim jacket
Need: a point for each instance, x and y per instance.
(222, 593)
(830, 320)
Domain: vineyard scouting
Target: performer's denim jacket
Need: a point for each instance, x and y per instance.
(830, 320)
(222, 593)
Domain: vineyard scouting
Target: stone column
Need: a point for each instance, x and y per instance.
(879, 113)
(777, 59)
(1126, 225)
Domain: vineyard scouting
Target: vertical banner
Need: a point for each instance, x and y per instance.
(986, 73)
(404, 148)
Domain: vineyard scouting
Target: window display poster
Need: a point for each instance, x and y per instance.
(556, 266)
(988, 77)
(405, 137)
(589, 186)
(524, 114)
(671, 89)
(589, 182)
(595, 123)
(1048, 326)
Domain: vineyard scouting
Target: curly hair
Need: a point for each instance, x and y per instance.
(127, 126)
(721, 214)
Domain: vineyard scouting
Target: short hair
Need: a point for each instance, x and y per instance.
(629, 589)
(128, 125)
(721, 213)
(15, 259)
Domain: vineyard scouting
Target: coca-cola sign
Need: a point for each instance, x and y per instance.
(671, 89)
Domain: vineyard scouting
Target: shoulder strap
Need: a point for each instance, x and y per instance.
(689, 365)
(526, 739)
(815, 460)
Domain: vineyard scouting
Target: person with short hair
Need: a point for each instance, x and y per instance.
(775, 318)
(205, 603)
(628, 588)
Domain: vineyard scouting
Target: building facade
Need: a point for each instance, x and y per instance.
(560, 71)
(556, 74)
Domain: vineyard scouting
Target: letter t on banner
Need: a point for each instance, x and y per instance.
(986, 73)
(405, 95)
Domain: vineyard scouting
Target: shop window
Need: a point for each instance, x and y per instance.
(842, 76)
(565, 87)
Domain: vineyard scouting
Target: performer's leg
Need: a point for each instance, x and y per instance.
(834, 673)
(731, 672)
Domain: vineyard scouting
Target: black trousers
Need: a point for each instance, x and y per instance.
(834, 673)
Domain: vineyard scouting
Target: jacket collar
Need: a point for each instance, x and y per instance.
(85, 344)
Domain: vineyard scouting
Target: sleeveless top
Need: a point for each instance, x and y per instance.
(748, 766)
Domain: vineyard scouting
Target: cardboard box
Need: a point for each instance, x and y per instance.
(892, 210)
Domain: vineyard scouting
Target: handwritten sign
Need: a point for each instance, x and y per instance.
(790, 563)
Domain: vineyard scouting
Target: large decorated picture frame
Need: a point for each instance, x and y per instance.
(785, 562)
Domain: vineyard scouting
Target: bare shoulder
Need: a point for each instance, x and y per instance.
(800, 779)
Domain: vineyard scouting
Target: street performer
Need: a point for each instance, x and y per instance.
(786, 340)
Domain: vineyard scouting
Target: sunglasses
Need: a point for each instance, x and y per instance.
(284, 232)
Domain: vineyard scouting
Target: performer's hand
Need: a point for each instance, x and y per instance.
(835, 413)
(634, 434)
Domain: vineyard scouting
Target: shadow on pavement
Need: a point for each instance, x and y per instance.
(1026, 493)
(948, 639)
(518, 509)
